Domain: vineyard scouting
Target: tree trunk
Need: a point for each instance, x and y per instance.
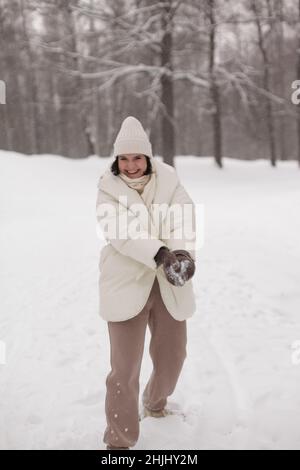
(214, 88)
(167, 92)
(33, 106)
(282, 69)
(266, 83)
(298, 75)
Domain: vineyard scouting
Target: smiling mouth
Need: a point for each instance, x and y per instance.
(132, 173)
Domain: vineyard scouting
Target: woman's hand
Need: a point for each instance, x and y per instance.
(178, 265)
(167, 258)
(187, 263)
(171, 265)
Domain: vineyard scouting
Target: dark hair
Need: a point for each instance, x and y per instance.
(115, 167)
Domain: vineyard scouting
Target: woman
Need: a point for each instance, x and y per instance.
(145, 279)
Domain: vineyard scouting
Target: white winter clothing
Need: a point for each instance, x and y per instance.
(127, 265)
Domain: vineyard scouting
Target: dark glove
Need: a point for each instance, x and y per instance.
(171, 264)
(187, 263)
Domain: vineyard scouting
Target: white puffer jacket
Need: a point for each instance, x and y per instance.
(127, 266)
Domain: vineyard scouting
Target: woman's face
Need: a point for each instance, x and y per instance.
(132, 165)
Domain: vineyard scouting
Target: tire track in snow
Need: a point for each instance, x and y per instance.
(228, 406)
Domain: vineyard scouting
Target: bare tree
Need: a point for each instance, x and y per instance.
(31, 82)
(279, 42)
(167, 92)
(298, 75)
(256, 8)
(214, 87)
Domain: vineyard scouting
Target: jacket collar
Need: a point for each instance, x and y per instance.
(167, 181)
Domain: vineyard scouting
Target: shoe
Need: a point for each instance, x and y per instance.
(156, 414)
(108, 447)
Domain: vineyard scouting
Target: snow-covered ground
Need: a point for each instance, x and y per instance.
(239, 388)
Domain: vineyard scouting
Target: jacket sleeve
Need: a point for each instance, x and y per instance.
(182, 222)
(116, 222)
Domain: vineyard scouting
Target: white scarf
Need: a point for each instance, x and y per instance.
(136, 183)
(145, 185)
(147, 194)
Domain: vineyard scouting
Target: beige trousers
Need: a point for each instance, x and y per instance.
(167, 351)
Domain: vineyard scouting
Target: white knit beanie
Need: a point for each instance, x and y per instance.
(132, 138)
